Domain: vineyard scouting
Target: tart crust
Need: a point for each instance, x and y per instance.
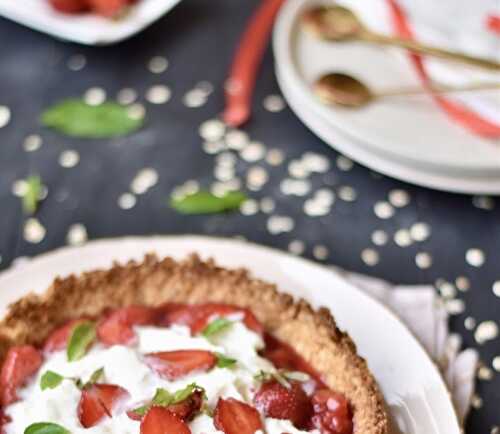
(312, 333)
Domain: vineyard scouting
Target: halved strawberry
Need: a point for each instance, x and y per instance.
(235, 417)
(197, 316)
(69, 6)
(332, 413)
(279, 402)
(58, 339)
(117, 328)
(98, 401)
(108, 8)
(159, 420)
(20, 364)
(175, 364)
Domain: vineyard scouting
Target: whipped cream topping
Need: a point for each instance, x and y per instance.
(124, 366)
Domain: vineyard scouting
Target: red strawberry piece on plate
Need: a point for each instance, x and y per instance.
(117, 328)
(332, 413)
(58, 339)
(69, 6)
(20, 364)
(159, 420)
(198, 316)
(176, 364)
(98, 401)
(108, 8)
(280, 402)
(235, 417)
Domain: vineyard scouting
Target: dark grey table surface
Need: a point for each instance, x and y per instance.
(198, 39)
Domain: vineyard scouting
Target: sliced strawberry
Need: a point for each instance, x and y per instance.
(187, 409)
(69, 6)
(279, 402)
(108, 8)
(20, 364)
(235, 417)
(117, 328)
(332, 413)
(98, 401)
(159, 420)
(285, 357)
(198, 316)
(58, 339)
(175, 364)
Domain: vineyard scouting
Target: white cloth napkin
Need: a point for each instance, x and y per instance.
(420, 308)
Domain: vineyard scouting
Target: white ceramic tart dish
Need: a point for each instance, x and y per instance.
(413, 390)
(313, 334)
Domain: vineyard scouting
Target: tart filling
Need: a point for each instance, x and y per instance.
(198, 369)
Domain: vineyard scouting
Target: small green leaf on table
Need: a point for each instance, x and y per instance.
(204, 202)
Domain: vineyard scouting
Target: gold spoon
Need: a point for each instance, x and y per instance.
(337, 88)
(337, 23)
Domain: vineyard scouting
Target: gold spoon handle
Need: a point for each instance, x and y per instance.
(438, 89)
(417, 47)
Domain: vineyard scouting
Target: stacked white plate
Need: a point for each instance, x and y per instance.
(408, 138)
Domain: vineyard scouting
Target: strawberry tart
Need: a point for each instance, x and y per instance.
(167, 347)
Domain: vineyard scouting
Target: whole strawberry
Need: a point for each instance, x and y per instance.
(277, 401)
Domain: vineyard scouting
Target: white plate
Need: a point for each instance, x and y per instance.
(413, 130)
(378, 161)
(411, 384)
(88, 29)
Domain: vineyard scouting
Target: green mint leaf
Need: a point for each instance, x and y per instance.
(225, 362)
(45, 428)
(81, 338)
(162, 397)
(76, 118)
(204, 202)
(50, 380)
(182, 394)
(32, 195)
(216, 326)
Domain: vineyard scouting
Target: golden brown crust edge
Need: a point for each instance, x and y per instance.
(313, 334)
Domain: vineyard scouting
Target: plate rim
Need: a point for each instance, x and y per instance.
(218, 243)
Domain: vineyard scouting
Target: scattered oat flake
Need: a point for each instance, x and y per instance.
(253, 152)
(136, 111)
(475, 257)
(496, 363)
(296, 247)
(249, 207)
(277, 224)
(267, 205)
(483, 202)
(470, 323)
(158, 94)
(423, 260)
(402, 238)
(274, 103)
(237, 139)
(295, 187)
(158, 64)
(370, 257)
(77, 62)
(484, 373)
(462, 283)
(320, 252)
(34, 231)
(69, 158)
(144, 180)
(379, 237)
(212, 130)
(95, 96)
(32, 143)
(486, 331)
(496, 288)
(77, 235)
(256, 178)
(127, 201)
(455, 306)
(399, 198)
(126, 96)
(347, 193)
(383, 210)
(275, 157)
(420, 231)
(5, 116)
(194, 98)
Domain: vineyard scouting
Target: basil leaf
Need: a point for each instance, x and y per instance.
(204, 202)
(81, 338)
(185, 393)
(45, 428)
(50, 380)
(32, 195)
(225, 362)
(216, 326)
(76, 118)
(162, 397)
(94, 378)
